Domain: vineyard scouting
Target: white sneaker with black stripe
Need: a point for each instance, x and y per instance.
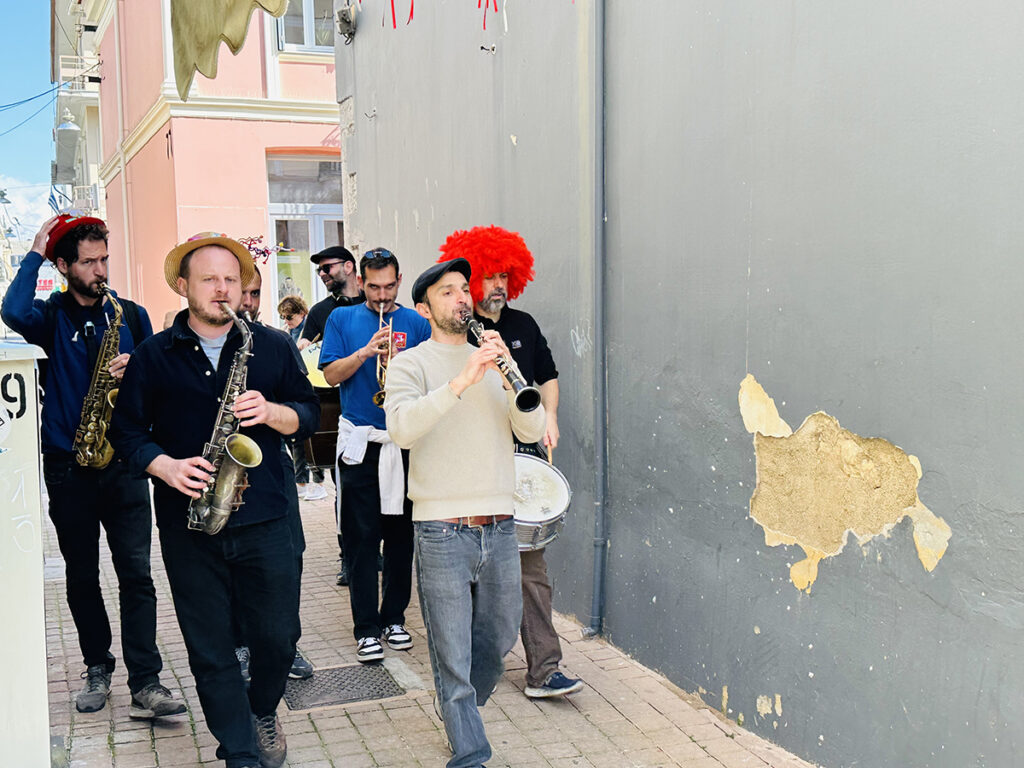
(397, 638)
(369, 650)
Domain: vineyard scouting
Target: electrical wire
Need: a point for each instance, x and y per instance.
(13, 104)
(48, 104)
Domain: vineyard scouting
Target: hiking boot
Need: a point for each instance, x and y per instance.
(154, 701)
(397, 638)
(556, 685)
(370, 649)
(93, 697)
(270, 739)
(242, 654)
(301, 668)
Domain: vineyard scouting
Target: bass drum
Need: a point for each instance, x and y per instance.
(541, 500)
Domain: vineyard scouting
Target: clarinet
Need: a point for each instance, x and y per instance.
(527, 398)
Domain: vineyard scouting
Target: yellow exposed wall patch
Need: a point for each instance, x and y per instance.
(821, 483)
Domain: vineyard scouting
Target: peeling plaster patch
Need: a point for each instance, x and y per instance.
(725, 699)
(821, 483)
(764, 705)
(778, 704)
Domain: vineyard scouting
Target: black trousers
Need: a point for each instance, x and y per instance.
(81, 500)
(363, 528)
(248, 572)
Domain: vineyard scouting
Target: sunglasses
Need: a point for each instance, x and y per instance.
(286, 318)
(325, 268)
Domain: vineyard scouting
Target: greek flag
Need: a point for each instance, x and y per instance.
(53, 200)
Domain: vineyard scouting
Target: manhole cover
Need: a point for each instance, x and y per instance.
(341, 685)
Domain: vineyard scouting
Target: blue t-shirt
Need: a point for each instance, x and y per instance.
(348, 329)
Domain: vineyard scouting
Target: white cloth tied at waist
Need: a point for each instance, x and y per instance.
(351, 449)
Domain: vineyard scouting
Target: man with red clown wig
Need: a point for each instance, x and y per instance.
(502, 266)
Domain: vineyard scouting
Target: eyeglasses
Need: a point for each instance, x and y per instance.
(325, 268)
(287, 318)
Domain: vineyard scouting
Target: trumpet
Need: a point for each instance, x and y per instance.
(527, 398)
(383, 362)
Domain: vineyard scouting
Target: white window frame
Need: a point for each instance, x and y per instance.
(316, 214)
(308, 33)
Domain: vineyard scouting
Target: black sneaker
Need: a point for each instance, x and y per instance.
(301, 668)
(343, 575)
(154, 701)
(397, 638)
(370, 649)
(271, 741)
(556, 685)
(93, 697)
(242, 654)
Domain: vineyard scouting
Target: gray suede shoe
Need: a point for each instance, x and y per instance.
(154, 701)
(93, 697)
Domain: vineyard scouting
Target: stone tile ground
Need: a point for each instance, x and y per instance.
(626, 716)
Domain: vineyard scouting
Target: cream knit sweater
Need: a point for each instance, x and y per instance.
(461, 449)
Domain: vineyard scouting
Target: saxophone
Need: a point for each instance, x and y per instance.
(91, 446)
(230, 452)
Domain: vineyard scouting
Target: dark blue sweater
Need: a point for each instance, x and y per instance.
(67, 372)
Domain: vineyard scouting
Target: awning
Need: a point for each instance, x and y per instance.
(198, 26)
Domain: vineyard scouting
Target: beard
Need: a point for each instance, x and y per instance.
(454, 324)
(495, 302)
(199, 312)
(92, 290)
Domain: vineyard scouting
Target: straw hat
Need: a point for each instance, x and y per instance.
(172, 263)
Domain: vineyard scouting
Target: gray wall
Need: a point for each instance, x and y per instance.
(824, 196)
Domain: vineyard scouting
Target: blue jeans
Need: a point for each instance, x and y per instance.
(472, 603)
(248, 573)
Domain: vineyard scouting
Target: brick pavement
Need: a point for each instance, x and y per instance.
(626, 716)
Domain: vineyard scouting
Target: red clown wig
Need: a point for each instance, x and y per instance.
(489, 251)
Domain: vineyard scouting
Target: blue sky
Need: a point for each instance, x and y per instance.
(26, 151)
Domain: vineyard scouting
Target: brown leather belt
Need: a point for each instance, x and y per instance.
(476, 522)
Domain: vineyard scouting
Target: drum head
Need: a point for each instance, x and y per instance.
(542, 492)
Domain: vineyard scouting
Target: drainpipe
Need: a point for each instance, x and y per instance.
(600, 354)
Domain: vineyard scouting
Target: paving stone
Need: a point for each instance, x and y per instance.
(625, 716)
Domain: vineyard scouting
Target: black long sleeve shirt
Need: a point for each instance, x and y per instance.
(524, 340)
(168, 402)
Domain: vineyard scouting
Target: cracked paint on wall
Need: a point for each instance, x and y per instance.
(818, 485)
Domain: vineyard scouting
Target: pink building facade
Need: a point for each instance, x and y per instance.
(254, 152)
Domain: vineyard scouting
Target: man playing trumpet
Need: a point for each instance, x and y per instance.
(359, 340)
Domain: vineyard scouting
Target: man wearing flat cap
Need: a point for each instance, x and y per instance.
(69, 326)
(446, 401)
(167, 408)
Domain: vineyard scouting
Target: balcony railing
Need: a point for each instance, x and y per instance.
(80, 73)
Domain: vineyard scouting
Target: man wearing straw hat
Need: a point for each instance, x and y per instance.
(167, 409)
(502, 266)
